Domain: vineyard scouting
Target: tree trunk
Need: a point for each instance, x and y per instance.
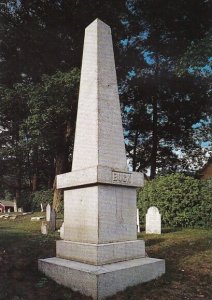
(59, 168)
(154, 139)
(34, 181)
(155, 123)
(134, 164)
(18, 191)
(61, 163)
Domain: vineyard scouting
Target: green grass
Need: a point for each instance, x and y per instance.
(188, 255)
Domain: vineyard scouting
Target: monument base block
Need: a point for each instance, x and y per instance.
(100, 282)
(100, 254)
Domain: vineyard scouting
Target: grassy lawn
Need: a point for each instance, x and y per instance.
(188, 255)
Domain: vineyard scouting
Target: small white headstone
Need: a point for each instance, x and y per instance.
(20, 209)
(15, 206)
(8, 210)
(44, 228)
(153, 220)
(48, 212)
(41, 207)
(138, 221)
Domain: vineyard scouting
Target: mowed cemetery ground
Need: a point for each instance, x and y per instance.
(188, 255)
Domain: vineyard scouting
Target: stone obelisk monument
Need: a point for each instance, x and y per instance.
(100, 254)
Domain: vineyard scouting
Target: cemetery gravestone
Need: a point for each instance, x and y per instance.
(15, 206)
(100, 254)
(153, 220)
(48, 212)
(44, 228)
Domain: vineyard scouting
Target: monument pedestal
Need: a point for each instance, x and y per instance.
(100, 282)
(100, 254)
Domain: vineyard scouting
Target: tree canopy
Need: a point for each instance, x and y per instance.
(162, 107)
(165, 101)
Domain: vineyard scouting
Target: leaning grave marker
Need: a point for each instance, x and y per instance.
(100, 254)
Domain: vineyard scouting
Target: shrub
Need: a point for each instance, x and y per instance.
(205, 203)
(182, 200)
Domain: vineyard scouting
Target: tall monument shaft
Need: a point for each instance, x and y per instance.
(100, 254)
(99, 134)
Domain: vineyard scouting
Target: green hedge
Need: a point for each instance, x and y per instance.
(182, 200)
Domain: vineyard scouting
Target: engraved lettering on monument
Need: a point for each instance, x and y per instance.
(119, 177)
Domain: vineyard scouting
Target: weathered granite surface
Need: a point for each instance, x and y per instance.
(100, 254)
(99, 134)
(99, 174)
(100, 214)
(100, 282)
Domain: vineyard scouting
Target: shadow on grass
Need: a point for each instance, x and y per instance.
(21, 277)
(8, 238)
(170, 230)
(152, 242)
(164, 230)
(13, 239)
(187, 274)
(178, 252)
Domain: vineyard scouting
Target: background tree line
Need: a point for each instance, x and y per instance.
(163, 66)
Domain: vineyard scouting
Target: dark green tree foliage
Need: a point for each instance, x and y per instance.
(39, 37)
(167, 123)
(43, 141)
(51, 123)
(41, 45)
(161, 107)
(40, 55)
(182, 200)
(12, 151)
(43, 197)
